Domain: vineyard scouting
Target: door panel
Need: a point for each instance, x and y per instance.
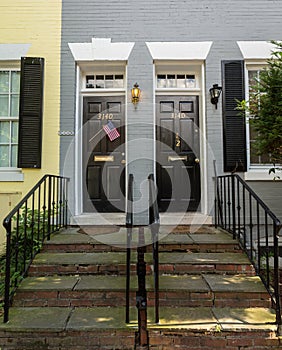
(178, 174)
(103, 160)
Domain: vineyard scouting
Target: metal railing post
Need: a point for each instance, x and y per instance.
(49, 200)
(233, 206)
(129, 225)
(8, 227)
(141, 294)
(276, 230)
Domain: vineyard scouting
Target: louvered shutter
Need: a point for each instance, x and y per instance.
(30, 113)
(234, 126)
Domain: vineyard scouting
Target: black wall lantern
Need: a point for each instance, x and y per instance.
(215, 92)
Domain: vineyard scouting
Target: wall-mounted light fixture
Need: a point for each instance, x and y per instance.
(135, 94)
(215, 92)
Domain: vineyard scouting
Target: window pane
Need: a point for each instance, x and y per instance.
(14, 160)
(4, 104)
(14, 105)
(90, 81)
(181, 80)
(100, 81)
(161, 81)
(15, 131)
(4, 156)
(4, 132)
(253, 75)
(15, 82)
(254, 159)
(191, 81)
(118, 83)
(171, 82)
(265, 159)
(109, 81)
(4, 81)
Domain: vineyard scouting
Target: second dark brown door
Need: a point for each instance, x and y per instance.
(178, 168)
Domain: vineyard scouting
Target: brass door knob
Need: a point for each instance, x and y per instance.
(197, 160)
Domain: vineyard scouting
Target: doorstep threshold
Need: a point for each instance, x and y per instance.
(98, 219)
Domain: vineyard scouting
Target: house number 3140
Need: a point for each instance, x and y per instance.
(103, 116)
(178, 115)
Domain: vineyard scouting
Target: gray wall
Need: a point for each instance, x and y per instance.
(223, 22)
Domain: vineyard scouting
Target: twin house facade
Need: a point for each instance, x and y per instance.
(82, 60)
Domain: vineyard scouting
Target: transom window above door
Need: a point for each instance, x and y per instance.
(178, 76)
(104, 76)
(179, 80)
(104, 81)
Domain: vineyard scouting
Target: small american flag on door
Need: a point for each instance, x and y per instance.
(111, 131)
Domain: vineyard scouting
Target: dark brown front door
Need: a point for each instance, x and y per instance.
(103, 159)
(178, 169)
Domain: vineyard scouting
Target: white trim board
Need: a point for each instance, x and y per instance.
(179, 50)
(13, 52)
(101, 49)
(256, 50)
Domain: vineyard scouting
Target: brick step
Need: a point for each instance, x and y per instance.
(208, 240)
(104, 328)
(190, 290)
(46, 264)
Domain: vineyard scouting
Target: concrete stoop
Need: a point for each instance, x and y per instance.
(74, 296)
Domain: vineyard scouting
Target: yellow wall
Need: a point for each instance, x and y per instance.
(38, 23)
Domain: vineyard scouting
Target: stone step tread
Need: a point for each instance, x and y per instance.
(31, 319)
(118, 238)
(188, 283)
(120, 258)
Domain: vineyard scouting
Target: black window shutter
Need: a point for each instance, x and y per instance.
(234, 126)
(30, 113)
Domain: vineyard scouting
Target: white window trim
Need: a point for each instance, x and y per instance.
(83, 69)
(11, 174)
(178, 67)
(196, 67)
(256, 172)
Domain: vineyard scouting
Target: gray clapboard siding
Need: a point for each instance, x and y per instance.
(223, 22)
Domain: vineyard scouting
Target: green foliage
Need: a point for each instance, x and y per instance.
(265, 108)
(26, 241)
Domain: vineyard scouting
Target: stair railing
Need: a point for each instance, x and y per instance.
(129, 225)
(242, 212)
(41, 212)
(154, 220)
(141, 294)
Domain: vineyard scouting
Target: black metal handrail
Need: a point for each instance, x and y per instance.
(141, 294)
(154, 220)
(239, 210)
(41, 212)
(129, 225)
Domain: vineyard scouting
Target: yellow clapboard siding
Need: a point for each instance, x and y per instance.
(38, 23)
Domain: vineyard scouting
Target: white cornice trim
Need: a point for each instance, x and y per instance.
(256, 50)
(179, 50)
(101, 49)
(13, 52)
